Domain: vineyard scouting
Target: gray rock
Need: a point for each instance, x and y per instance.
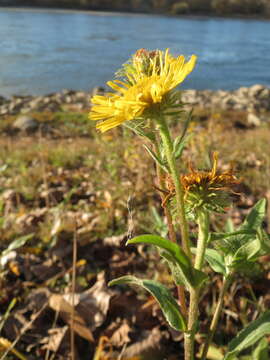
(26, 123)
(255, 90)
(253, 119)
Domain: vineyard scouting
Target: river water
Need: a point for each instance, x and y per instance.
(43, 51)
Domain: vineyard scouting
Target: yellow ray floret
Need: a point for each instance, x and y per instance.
(141, 90)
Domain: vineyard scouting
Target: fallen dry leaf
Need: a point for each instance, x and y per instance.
(59, 304)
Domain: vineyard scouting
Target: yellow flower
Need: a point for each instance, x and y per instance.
(143, 88)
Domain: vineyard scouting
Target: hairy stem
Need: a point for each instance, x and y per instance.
(216, 316)
(179, 193)
(203, 234)
(172, 235)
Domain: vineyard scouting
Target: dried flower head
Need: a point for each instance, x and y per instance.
(209, 190)
(147, 82)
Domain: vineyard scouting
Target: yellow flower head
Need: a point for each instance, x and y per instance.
(148, 79)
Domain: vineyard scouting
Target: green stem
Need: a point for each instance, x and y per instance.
(179, 192)
(216, 316)
(172, 235)
(203, 234)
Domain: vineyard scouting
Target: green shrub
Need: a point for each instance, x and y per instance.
(180, 8)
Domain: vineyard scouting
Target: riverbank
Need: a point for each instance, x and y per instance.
(254, 99)
(259, 8)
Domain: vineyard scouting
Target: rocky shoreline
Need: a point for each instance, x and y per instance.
(254, 100)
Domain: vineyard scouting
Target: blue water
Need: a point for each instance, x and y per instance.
(43, 51)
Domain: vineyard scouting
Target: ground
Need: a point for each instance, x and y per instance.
(69, 199)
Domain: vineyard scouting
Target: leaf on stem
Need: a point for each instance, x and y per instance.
(166, 301)
(216, 261)
(156, 158)
(138, 130)
(179, 263)
(249, 336)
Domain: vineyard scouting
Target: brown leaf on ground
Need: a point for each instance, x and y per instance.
(91, 307)
(65, 310)
(93, 304)
(147, 346)
(118, 333)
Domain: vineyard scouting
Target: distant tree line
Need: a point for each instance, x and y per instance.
(174, 7)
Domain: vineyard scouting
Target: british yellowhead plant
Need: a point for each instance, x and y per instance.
(144, 98)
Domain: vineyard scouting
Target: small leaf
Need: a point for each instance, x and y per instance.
(265, 241)
(229, 226)
(249, 336)
(17, 243)
(166, 301)
(216, 261)
(139, 131)
(156, 158)
(173, 253)
(255, 216)
(248, 251)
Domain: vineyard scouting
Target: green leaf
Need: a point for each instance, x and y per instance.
(261, 352)
(156, 158)
(173, 254)
(255, 217)
(265, 241)
(229, 226)
(166, 301)
(179, 147)
(180, 276)
(249, 336)
(139, 131)
(17, 243)
(180, 141)
(248, 251)
(216, 261)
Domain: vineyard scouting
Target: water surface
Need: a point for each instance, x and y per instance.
(44, 51)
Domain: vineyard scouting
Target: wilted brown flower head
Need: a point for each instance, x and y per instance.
(209, 189)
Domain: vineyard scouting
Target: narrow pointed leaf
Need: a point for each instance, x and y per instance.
(156, 158)
(249, 336)
(166, 301)
(139, 131)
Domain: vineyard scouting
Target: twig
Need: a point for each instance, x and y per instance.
(73, 288)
